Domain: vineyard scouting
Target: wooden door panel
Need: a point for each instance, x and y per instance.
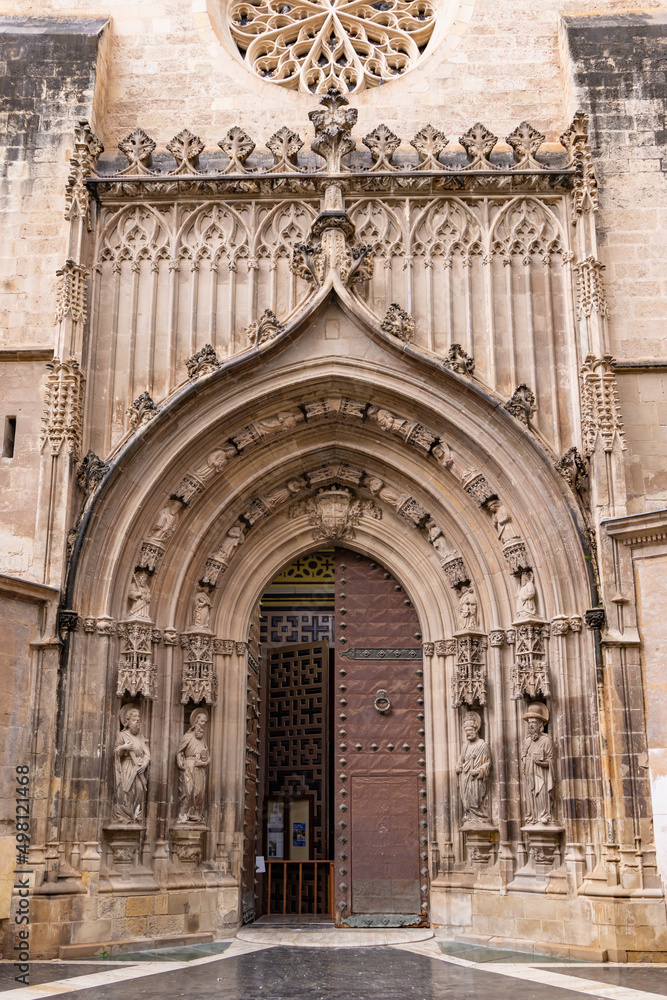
(380, 805)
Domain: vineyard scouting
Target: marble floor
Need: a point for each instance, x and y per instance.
(429, 969)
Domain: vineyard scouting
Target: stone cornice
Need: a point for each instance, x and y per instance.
(28, 590)
(638, 529)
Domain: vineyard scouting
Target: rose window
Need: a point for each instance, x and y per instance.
(312, 45)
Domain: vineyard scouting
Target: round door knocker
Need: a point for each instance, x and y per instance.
(382, 703)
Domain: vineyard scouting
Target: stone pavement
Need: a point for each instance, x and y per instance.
(422, 970)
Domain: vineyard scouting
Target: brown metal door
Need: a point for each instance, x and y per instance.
(381, 874)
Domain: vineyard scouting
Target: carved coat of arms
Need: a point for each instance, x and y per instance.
(334, 512)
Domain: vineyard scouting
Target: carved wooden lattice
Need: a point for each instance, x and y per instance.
(297, 729)
(287, 627)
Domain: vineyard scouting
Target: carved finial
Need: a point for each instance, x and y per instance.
(284, 144)
(238, 146)
(429, 143)
(185, 148)
(526, 141)
(87, 148)
(267, 327)
(478, 143)
(142, 410)
(203, 362)
(521, 403)
(585, 185)
(383, 144)
(71, 295)
(333, 124)
(458, 361)
(399, 323)
(138, 148)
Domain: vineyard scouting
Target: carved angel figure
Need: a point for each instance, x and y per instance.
(526, 605)
(165, 524)
(387, 421)
(139, 595)
(473, 767)
(502, 521)
(442, 454)
(201, 617)
(234, 537)
(283, 421)
(192, 760)
(468, 609)
(131, 760)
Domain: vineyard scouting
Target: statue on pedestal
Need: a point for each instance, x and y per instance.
(131, 759)
(192, 759)
(537, 763)
(473, 767)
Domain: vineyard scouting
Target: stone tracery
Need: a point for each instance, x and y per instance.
(312, 45)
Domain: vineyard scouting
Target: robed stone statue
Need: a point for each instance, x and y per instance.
(537, 760)
(473, 768)
(192, 760)
(131, 760)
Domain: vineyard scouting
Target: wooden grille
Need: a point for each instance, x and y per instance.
(297, 730)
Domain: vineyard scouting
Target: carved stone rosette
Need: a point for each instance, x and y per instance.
(530, 670)
(137, 673)
(469, 679)
(199, 681)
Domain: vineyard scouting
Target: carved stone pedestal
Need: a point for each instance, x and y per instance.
(481, 845)
(187, 845)
(123, 858)
(543, 858)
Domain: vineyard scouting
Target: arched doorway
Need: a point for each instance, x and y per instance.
(335, 797)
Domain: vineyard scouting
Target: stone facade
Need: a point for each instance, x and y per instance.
(315, 317)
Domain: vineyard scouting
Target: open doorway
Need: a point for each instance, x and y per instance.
(335, 776)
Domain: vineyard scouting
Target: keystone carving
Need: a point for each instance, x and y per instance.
(334, 513)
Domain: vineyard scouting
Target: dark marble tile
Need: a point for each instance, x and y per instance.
(326, 974)
(46, 972)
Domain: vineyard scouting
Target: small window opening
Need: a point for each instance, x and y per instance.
(9, 437)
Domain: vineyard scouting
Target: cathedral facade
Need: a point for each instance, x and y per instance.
(334, 517)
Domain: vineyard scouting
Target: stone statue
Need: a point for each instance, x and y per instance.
(438, 541)
(165, 524)
(468, 609)
(202, 612)
(284, 493)
(386, 493)
(526, 606)
(387, 421)
(502, 521)
(537, 764)
(139, 595)
(131, 760)
(442, 454)
(230, 543)
(473, 767)
(283, 421)
(192, 760)
(214, 463)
